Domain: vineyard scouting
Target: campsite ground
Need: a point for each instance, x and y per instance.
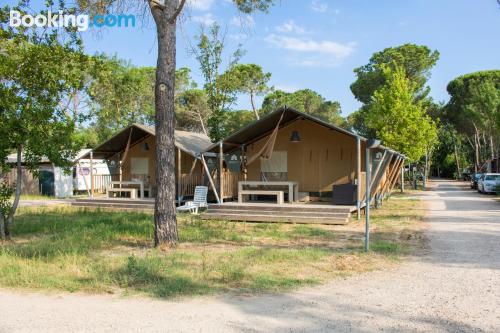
(94, 251)
(450, 286)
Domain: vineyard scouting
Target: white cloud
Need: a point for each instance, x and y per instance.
(238, 37)
(205, 19)
(309, 52)
(202, 5)
(291, 26)
(286, 88)
(245, 21)
(319, 6)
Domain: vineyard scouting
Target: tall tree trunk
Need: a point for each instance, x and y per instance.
(457, 160)
(492, 148)
(200, 118)
(253, 106)
(17, 195)
(165, 218)
(476, 149)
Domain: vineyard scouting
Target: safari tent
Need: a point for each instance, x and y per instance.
(325, 164)
(130, 155)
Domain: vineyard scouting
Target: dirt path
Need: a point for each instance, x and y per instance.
(455, 287)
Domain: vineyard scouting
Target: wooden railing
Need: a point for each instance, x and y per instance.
(189, 182)
(101, 182)
(230, 184)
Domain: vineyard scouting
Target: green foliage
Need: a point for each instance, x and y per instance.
(249, 6)
(236, 120)
(6, 192)
(220, 89)
(87, 137)
(39, 71)
(397, 119)
(248, 79)
(305, 100)
(416, 60)
(122, 94)
(475, 98)
(474, 111)
(443, 157)
(192, 110)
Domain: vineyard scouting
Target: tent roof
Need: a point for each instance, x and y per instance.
(12, 158)
(189, 142)
(265, 125)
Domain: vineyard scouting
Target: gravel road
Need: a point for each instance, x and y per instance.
(453, 287)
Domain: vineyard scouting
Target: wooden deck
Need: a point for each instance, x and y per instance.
(305, 213)
(284, 213)
(146, 204)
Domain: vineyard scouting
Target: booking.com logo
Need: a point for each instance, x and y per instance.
(60, 20)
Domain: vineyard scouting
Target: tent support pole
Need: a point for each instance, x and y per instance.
(91, 174)
(210, 178)
(403, 178)
(221, 171)
(179, 178)
(358, 177)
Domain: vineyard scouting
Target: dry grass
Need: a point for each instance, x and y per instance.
(96, 251)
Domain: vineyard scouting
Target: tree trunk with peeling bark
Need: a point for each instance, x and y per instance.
(253, 106)
(165, 214)
(7, 220)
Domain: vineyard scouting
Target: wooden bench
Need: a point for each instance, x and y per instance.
(280, 197)
(132, 191)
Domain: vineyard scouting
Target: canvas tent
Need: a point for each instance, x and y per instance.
(131, 156)
(288, 145)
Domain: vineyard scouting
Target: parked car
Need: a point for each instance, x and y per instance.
(474, 179)
(488, 183)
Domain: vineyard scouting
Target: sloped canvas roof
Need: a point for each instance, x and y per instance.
(189, 142)
(265, 125)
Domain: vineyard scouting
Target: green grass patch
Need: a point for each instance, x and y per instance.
(70, 249)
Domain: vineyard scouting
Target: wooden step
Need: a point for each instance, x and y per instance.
(124, 206)
(117, 201)
(284, 208)
(267, 212)
(274, 218)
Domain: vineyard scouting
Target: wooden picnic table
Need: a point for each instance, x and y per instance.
(128, 183)
(293, 187)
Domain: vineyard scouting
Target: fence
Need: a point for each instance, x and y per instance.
(189, 182)
(101, 182)
(230, 184)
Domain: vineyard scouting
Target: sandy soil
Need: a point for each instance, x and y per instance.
(453, 287)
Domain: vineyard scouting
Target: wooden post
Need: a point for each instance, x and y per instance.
(403, 178)
(210, 178)
(244, 162)
(358, 176)
(79, 170)
(179, 177)
(376, 179)
(221, 171)
(91, 174)
(120, 168)
(394, 177)
(390, 173)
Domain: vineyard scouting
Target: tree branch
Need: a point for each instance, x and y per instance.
(155, 3)
(177, 12)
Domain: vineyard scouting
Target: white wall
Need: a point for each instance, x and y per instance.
(63, 183)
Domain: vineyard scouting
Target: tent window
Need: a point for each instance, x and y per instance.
(275, 168)
(139, 166)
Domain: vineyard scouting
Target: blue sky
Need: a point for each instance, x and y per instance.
(316, 44)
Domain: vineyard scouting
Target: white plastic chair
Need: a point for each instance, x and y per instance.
(199, 201)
